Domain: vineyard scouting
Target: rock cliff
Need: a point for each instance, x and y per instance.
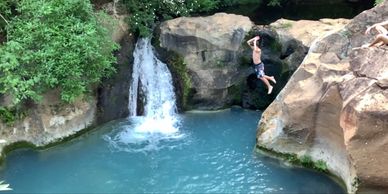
(335, 107)
(211, 47)
(49, 121)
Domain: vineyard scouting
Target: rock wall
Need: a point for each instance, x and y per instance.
(218, 59)
(335, 107)
(113, 93)
(211, 47)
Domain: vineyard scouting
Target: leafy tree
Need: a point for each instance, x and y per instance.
(144, 13)
(54, 44)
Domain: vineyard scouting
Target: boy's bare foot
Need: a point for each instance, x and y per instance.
(270, 89)
(361, 47)
(365, 46)
(273, 79)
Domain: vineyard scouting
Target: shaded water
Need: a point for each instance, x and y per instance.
(213, 152)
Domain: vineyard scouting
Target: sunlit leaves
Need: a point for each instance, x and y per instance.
(145, 13)
(54, 44)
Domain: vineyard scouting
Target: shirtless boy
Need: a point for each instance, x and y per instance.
(258, 65)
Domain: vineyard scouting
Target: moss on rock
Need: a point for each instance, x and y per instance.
(305, 160)
(182, 81)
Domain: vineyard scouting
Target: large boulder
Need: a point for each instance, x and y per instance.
(335, 107)
(211, 48)
(49, 121)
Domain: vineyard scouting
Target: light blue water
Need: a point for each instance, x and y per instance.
(213, 153)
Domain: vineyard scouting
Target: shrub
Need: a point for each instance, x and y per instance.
(144, 14)
(54, 44)
(5, 12)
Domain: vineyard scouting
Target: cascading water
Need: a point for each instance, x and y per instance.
(160, 120)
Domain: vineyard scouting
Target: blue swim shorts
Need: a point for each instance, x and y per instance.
(259, 69)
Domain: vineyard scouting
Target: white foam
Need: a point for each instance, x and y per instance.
(160, 122)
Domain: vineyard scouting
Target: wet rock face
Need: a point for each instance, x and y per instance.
(211, 48)
(335, 107)
(113, 92)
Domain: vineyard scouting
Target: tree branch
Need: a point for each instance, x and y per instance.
(4, 19)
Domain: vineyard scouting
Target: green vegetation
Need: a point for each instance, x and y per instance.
(275, 45)
(305, 160)
(9, 116)
(5, 13)
(178, 67)
(145, 14)
(235, 92)
(275, 3)
(14, 146)
(356, 182)
(285, 25)
(378, 2)
(319, 165)
(52, 44)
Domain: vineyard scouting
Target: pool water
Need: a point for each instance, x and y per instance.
(213, 152)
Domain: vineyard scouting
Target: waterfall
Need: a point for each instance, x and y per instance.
(160, 121)
(155, 81)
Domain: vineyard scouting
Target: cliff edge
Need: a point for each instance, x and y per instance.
(335, 107)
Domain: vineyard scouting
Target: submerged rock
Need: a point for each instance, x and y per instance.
(335, 107)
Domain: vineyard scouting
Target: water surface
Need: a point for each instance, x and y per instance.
(213, 152)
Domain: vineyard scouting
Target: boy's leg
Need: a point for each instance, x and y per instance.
(381, 30)
(379, 39)
(272, 78)
(266, 82)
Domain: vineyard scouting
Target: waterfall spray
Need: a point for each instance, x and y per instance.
(153, 80)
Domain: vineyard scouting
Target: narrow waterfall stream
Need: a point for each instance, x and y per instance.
(160, 121)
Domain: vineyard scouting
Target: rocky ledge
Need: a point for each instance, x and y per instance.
(335, 107)
(211, 48)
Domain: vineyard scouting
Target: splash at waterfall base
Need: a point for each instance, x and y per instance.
(159, 120)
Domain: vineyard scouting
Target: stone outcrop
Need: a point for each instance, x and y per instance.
(307, 31)
(49, 121)
(335, 107)
(211, 47)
